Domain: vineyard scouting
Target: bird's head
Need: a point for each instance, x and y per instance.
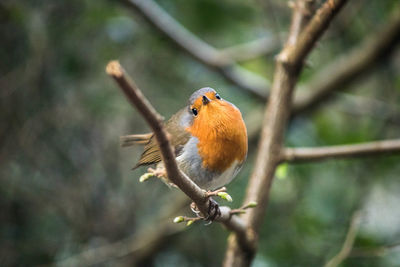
(207, 107)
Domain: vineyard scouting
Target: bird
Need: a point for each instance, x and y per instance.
(209, 139)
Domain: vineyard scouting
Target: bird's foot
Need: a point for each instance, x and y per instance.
(212, 213)
(195, 209)
(159, 172)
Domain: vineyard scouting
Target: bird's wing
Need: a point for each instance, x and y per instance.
(179, 137)
(135, 139)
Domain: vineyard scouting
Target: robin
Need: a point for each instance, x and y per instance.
(209, 138)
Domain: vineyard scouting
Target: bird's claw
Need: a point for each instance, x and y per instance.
(213, 211)
(194, 208)
(159, 172)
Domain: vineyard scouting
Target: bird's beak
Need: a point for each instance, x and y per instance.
(206, 100)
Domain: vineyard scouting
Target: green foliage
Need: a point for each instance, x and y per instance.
(225, 196)
(281, 171)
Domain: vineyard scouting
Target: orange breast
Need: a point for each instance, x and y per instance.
(222, 135)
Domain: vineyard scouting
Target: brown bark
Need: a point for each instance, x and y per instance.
(288, 66)
(344, 151)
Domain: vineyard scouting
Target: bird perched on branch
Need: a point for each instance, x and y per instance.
(209, 138)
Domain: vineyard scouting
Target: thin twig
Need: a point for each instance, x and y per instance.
(220, 60)
(348, 242)
(342, 151)
(199, 196)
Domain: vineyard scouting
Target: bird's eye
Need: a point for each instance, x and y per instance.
(194, 111)
(217, 96)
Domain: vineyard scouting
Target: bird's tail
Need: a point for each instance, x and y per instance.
(135, 139)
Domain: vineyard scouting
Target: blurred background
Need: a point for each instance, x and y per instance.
(68, 196)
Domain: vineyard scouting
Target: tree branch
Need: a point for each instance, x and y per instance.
(349, 67)
(293, 55)
(155, 121)
(348, 242)
(343, 151)
(302, 12)
(221, 60)
(288, 66)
